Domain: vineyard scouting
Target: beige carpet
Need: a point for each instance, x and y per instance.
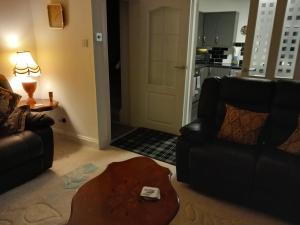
(45, 201)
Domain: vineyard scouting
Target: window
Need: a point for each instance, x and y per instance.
(289, 41)
(262, 39)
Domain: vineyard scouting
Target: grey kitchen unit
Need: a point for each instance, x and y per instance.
(219, 71)
(200, 30)
(219, 28)
(203, 71)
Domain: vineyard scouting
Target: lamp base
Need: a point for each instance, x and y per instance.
(30, 88)
(30, 101)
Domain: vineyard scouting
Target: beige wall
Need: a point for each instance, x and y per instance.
(16, 34)
(68, 67)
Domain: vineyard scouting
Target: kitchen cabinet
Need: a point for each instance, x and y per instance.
(204, 73)
(200, 30)
(219, 29)
(201, 73)
(219, 71)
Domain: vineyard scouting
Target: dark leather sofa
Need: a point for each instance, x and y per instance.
(25, 155)
(259, 176)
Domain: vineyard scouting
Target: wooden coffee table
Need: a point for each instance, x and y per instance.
(112, 198)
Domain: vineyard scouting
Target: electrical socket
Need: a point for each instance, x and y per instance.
(62, 120)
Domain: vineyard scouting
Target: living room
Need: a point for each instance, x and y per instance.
(74, 68)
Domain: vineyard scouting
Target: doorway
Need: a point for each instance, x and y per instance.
(219, 44)
(117, 29)
(281, 7)
(147, 53)
(262, 40)
(157, 62)
(147, 64)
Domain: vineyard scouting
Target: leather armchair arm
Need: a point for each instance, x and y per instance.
(38, 120)
(193, 134)
(195, 131)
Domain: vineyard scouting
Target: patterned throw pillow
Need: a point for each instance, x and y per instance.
(16, 121)
(8, 102)
(242, 126)
(292, 144)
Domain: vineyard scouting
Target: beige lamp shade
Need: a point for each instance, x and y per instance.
(25, 65)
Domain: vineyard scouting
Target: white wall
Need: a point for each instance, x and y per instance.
(241, 6)
(68, 67)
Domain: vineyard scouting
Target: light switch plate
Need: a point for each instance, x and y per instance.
(99, 37)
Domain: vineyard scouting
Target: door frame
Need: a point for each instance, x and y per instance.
(102, 70)
(191, 55)
(99, 18)
(101, 66)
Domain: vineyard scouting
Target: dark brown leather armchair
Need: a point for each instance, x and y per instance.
(26, 154)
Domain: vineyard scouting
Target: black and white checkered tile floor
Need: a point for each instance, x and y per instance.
(155, 144)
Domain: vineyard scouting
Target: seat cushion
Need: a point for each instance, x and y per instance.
(224, 169)
(277, 183)
(19, 148)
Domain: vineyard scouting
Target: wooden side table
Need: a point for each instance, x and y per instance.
(41, 105)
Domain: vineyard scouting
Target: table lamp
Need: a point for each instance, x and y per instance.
(27, 68)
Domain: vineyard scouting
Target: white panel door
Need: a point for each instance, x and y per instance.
(158, 50)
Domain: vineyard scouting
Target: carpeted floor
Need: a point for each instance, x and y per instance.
(46, 200)
(118, 130)
(152, 143)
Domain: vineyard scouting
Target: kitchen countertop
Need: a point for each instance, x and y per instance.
(218, 65)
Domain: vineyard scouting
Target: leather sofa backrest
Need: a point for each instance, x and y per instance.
(207, 108)
(285, 109)
(247, 93)
(210, 94)
(4, 82)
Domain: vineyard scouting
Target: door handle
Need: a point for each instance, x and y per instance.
(180, 67)
(204, 39)
(217, 39)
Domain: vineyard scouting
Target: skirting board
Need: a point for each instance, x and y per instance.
(77, 138)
